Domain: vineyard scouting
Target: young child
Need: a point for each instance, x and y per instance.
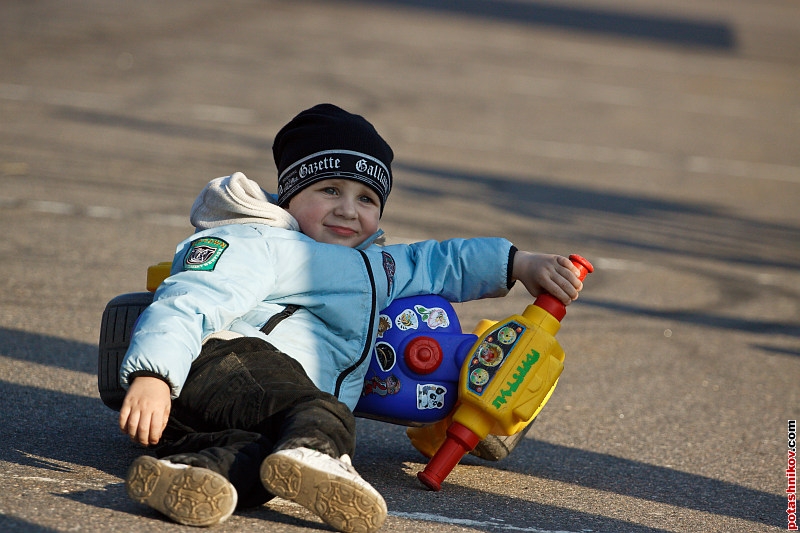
(244, 371)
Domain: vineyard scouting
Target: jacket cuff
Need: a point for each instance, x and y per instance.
(147, 373)
(510, 281)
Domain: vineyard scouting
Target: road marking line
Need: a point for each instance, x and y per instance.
(610, 263)
(94, 211)
(57, 208)
(493, 524)
(743, 169)
(101, 211)
(61, 481)
(584, 91)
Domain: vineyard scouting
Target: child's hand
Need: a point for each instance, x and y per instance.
(145, 410)
(548, 273)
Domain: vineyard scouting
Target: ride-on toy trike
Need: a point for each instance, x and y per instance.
(456, 392)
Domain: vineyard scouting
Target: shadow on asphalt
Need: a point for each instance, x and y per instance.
(650, 228)
(674, 30)
(603, 218)
(710, 320)
(116, 498)
(639, 223)
(10, 524)
(43, 428)
(52, 430)
(576, 467)
(653, 483)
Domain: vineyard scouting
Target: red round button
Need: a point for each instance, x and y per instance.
(423, 355)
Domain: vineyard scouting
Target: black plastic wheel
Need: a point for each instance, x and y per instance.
(119, 318)
(494, 447)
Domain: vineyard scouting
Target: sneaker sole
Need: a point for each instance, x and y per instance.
(340, 503)
(191, 496)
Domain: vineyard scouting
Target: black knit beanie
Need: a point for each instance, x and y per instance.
(326, 142)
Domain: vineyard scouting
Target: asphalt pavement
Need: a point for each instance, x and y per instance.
(658, 139)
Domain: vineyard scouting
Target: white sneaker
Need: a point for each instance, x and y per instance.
(188, 495)
(328, 487)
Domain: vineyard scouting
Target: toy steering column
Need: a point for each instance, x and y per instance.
(505, 381)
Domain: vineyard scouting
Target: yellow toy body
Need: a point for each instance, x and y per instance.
(157, 274)
(512, 370)
(539, 379)
(505, 381)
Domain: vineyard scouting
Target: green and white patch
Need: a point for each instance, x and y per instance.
(204, 253)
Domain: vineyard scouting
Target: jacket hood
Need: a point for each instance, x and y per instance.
(235, 199)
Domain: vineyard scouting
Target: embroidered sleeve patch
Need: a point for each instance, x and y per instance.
(389, 268)
(204, 253)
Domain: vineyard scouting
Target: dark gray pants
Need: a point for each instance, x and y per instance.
(243, 400)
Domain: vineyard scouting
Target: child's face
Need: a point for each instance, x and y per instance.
(337, 211)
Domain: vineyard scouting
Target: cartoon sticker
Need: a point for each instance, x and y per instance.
(490, 354)
(507, 335)
(430, 396)
(384, 325)
(479, 377)
(407, 320)
(385, 356)
(435, 317)
(204, 253)
(381, 387)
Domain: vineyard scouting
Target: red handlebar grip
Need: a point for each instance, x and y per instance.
(583, 265)
(460, 440)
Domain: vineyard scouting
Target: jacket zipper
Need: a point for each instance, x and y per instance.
(368, 345)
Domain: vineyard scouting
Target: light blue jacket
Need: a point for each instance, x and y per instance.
(243, 274)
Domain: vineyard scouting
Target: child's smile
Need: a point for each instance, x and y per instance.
(337, 211)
